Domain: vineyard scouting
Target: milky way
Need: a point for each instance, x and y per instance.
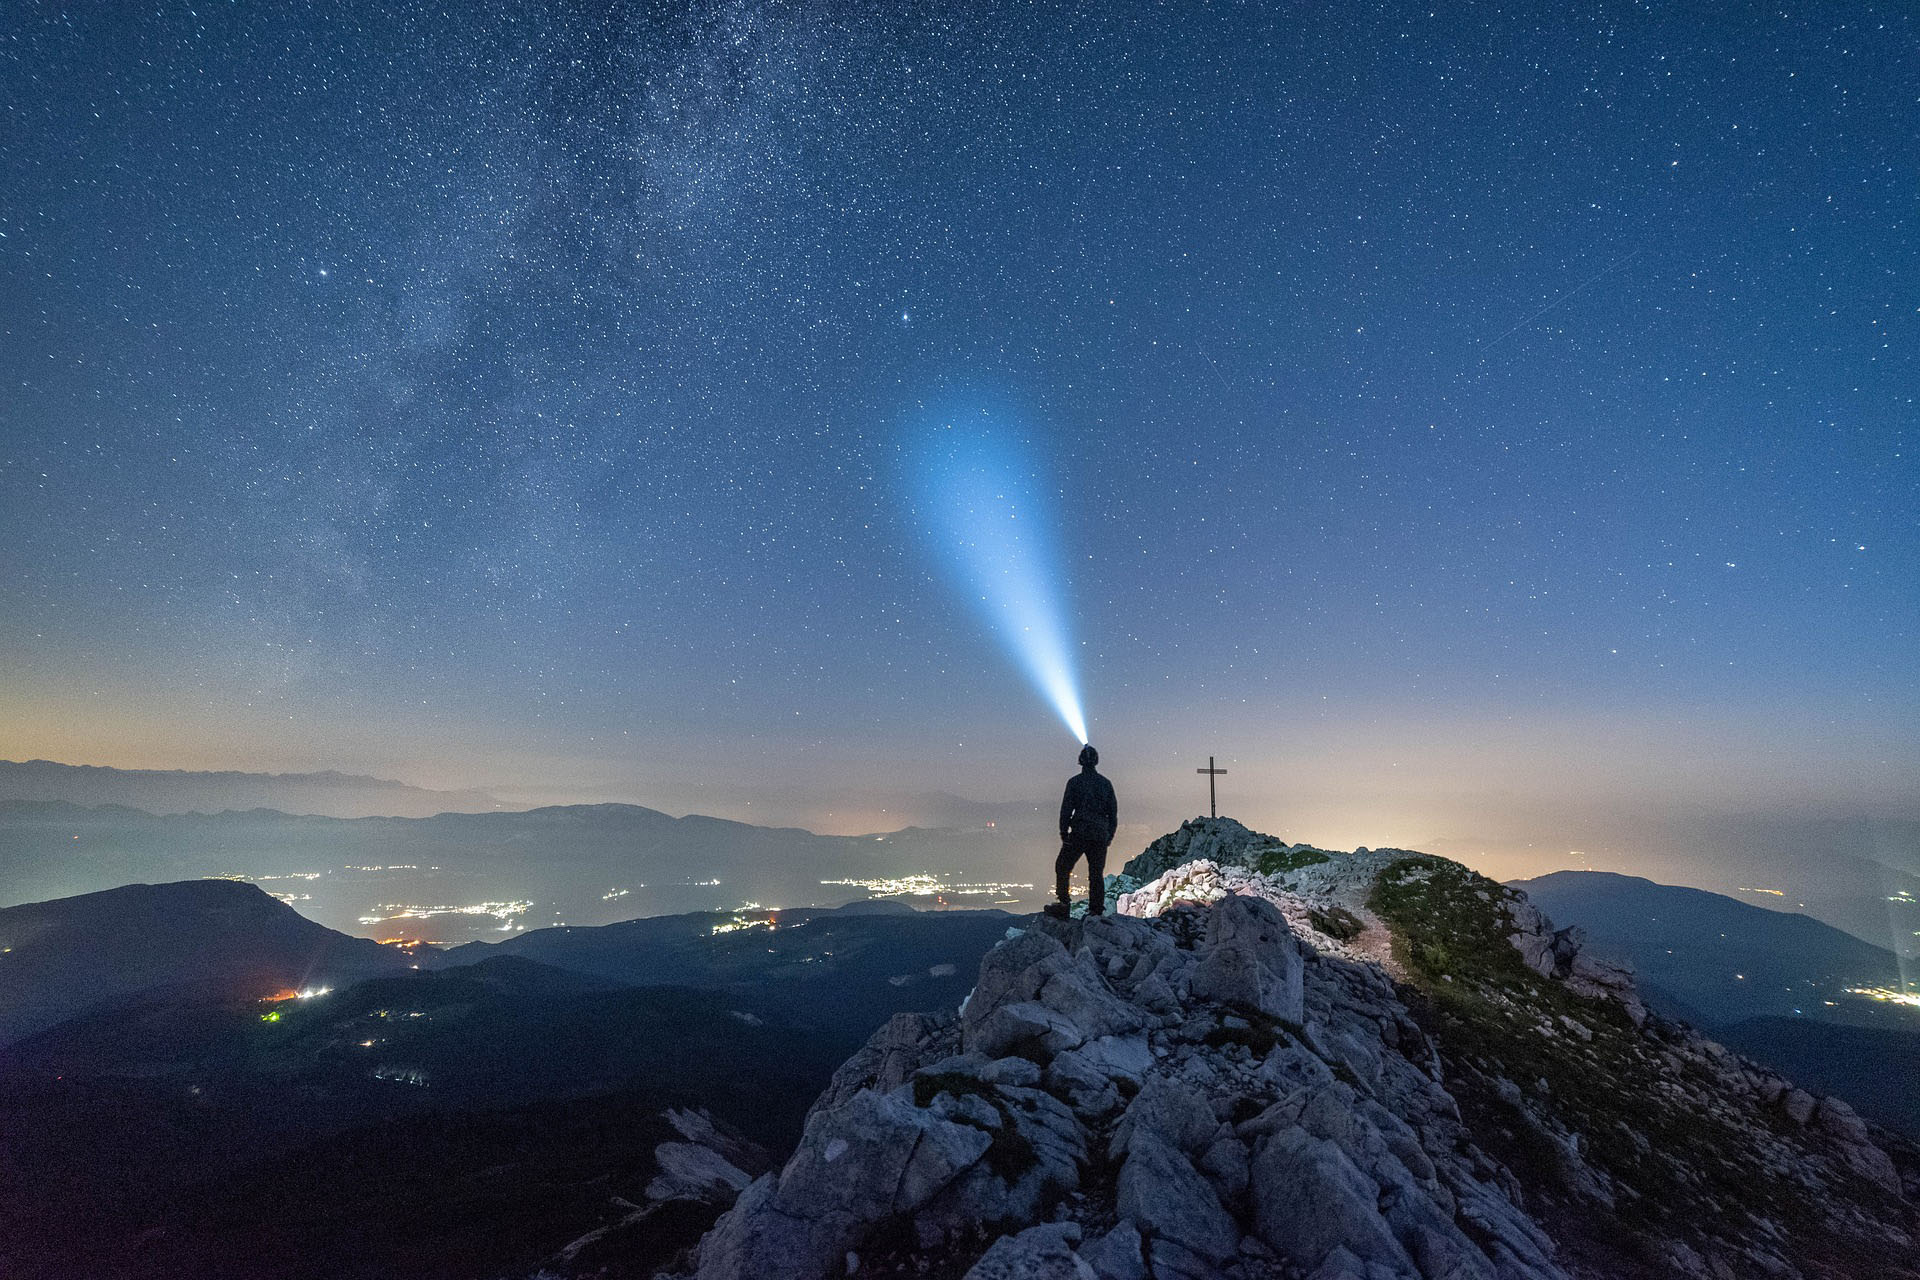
(1444, 401)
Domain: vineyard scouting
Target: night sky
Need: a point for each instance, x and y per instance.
(1468, 423)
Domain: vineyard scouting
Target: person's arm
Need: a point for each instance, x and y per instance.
(1113, 810)
(1066, 810)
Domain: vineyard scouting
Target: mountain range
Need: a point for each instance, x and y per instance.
(1405, 1070)
(460, 876)
(1780, 987)
(359, 1112)
(1715, 960)
(338, 795)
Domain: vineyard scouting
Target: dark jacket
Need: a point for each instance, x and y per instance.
(1089, 813)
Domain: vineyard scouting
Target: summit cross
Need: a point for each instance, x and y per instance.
(1213, 805)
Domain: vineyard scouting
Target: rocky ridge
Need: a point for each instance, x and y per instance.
(1280, 1061)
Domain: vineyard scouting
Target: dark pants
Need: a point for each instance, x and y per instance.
(1096, 856)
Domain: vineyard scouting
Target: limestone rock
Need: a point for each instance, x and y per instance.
(1038, 1253)
(1209, 1084)
(1026, 1025)
(1163, 1195)
(1251, 960)
(1124, 1059)
(1118, 1255)
(689, 1171)
(873, 1157)
(1072, 1077)
(891, 1055)
(1309, 1200)
(1218, 840)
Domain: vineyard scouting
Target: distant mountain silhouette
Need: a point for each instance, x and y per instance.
(1713, 959)
(579, 864)
(332, 794)
(214, 937)
(1769, 984)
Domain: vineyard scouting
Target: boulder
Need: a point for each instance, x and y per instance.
(1163, 1195)
(1224, 1162)
(1119, 1058)
(1309, 1199)
(871, 1158)
(1025, 1027)
(1035, 969)
(1038, 1253)
(1012, 972)
(689, 1171)
(1858, 1151)
(1118, 1255)
(1441, 1250)
(1077, 1082)
(1165, 1109)
(892, 1054)
(1250, 959)
(1021, 1072)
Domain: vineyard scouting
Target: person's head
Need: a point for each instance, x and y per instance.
(1089, 757)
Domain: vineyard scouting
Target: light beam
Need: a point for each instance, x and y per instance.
(981, 503)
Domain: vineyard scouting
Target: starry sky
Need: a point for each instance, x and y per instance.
(1472, 424)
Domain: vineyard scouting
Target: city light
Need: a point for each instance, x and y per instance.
(502, 911)
(922, 884)
(1887, 995)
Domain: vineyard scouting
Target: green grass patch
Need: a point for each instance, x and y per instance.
(1275, 861)
(1493, 1018)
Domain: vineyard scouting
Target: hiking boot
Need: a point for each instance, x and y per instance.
(1058, 910)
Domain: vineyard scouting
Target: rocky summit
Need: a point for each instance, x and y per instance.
(1275, 1060)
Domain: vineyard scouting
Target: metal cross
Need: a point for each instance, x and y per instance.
(1213, 806)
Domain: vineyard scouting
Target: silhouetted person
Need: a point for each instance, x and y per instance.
(1089, 815)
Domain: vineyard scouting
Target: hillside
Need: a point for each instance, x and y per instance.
(851, 967)
(1713, 956)
(196, 1130)
(215, 937)
(372, 1131)
(1781, 988)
